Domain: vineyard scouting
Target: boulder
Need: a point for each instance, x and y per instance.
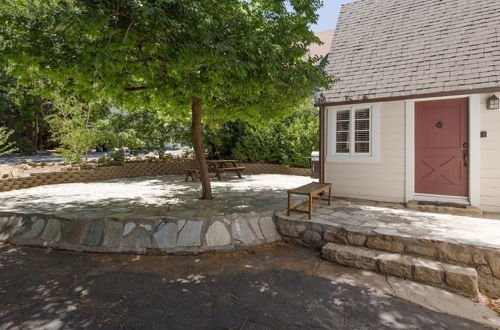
(166, 235)
(190, 234)
(217, 235)
(242, 234)
(268, 229)
(52, 232)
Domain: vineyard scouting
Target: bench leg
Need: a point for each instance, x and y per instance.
(185, 180)
(218, 176)
(329, 196)
(239, 174)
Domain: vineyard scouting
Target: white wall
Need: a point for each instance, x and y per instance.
(490, 157)
(382, 181)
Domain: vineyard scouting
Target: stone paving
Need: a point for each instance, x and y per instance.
(371, 229)
(147, 215)
(163, 215)
(151, 197)
(395, 219)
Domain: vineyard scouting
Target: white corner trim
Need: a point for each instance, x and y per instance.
(374, 156)
(475, 150)
(410, 150)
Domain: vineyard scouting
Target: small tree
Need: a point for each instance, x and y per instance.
(73, 127)
(6, 147)
(209, 59)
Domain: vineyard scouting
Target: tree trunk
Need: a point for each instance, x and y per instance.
(199, 151)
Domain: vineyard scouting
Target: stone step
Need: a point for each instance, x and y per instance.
(477, 254)
(458, 279)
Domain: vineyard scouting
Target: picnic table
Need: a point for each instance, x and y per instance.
(222, 166)
(215, 166)
(315, 192)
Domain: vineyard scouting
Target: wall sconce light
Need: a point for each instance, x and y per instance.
(493, 103)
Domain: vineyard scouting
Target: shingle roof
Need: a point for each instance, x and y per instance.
(322, 50)
(395, 48)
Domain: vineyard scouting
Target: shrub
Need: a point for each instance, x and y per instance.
(72, 125)
(6, 147)
(288, 142)
(117, 157)
(25, 146)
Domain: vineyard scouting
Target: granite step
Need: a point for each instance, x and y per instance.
(457, 279)
(455, 248)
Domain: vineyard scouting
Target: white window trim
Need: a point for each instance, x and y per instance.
(374, 156)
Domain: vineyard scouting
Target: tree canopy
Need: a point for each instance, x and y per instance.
(239, 59)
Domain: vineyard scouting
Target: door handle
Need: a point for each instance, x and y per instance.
(466, 158)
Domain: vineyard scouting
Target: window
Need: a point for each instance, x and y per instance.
(362, 131)
(354, 131)
(343, 128)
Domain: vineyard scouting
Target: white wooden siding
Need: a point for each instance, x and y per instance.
(490, 158)
(382, 181)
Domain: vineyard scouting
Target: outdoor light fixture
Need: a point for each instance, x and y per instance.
(493, 103)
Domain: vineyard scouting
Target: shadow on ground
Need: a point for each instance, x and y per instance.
(268, 288)
(153, 196)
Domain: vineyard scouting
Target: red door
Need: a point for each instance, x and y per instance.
(442, 147)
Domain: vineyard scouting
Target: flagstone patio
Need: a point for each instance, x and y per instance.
(395, 219)
(154, 215)
(361, 230)
(153, 197)
(158, 215)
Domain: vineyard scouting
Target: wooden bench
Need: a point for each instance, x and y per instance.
(313, 191)
(192, 173)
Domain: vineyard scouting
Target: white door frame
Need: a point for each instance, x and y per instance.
(474, 198)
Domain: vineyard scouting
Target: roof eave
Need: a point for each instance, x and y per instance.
(409, 97)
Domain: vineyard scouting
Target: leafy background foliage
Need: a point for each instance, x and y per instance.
(246, 61)
(6, 147)
(242, 59)
(288, 142)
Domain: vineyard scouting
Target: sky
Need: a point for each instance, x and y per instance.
(328, 15)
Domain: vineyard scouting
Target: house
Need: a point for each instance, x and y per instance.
(322, 50)
(408, 119)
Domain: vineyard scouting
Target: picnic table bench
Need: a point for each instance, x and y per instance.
(215, 166)
(313, 191)
(192, 173)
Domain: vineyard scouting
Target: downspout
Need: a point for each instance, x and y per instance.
(322, 143)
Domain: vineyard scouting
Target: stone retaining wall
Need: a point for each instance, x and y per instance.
(485, 260)
(254, 168)
(160, 236)
(131, 170)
